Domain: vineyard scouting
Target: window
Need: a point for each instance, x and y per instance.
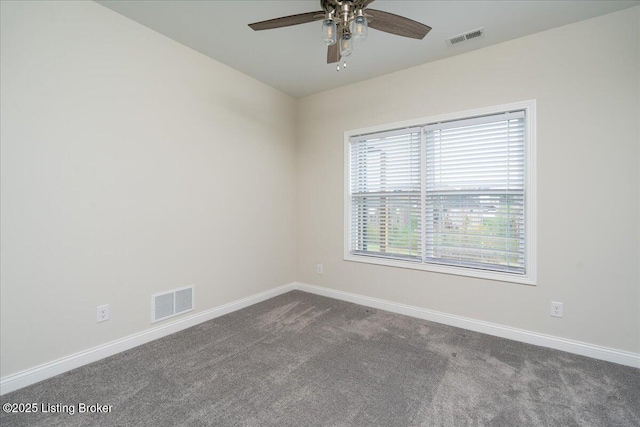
(452, 194)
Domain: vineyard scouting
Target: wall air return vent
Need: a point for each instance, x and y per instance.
(172, 303)
(475, 34)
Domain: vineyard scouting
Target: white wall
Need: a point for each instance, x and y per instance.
(130, 165)
(585, 78)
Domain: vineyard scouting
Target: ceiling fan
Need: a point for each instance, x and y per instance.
(345, 21)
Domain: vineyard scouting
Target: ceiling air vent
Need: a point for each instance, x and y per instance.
(465, 37)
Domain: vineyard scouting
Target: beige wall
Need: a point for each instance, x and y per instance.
(585, 78)
(130, 165)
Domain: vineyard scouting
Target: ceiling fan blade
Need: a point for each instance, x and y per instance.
(398, 25)
(333, 54)
(286, 21)
(366, 3)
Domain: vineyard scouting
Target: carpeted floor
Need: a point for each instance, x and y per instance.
(305, 360)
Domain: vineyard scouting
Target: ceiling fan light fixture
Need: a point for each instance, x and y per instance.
(329, 32)
(346, 44)
(359, 27)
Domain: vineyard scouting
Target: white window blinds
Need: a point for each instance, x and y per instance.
(385, 195)
(450, 193)
(474, 196)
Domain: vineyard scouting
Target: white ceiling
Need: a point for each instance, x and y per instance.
(293, 59)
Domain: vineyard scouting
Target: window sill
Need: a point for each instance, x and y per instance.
(457, 271)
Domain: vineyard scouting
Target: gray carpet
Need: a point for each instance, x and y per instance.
(304, 360)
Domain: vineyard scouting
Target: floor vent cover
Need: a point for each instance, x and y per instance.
(466, 37)
(172, 303)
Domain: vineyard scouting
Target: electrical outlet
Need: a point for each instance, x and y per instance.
(556, 309)
(103, 313)
(320, 269)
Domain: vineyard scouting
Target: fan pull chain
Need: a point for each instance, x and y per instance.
(344, 65)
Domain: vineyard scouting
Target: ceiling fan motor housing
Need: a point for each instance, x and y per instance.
(338, 6)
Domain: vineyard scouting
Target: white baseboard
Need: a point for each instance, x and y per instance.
(56, 367)
(64, 364)
(570, 346)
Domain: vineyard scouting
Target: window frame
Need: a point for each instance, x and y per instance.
(529, 277)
